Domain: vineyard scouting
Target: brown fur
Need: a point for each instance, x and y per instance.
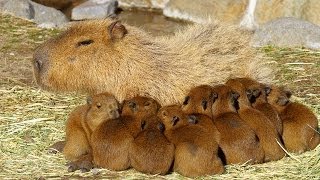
(257, 95)
(103, 55)
(299, 122)
(83, 120)
(112, 140)
(151, 152)
(238, 141)
(58, 4)
(199, 100)
(196, 151)
(262, 126)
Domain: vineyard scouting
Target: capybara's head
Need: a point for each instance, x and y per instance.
(140, 106)
(152, 123)
(225, 100)
(173, 117)
(279, 97)
(253, 88)
(102, 107)
(199, 100)
(81, 58)
(239, 88)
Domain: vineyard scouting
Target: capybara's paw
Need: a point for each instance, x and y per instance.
(56, 147)
(83, 166)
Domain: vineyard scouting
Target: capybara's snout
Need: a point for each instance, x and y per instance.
(40, 60)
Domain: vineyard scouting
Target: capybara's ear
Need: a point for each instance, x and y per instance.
(117, 30)
(175, 120)
(267, 90)
(251, 95)
(282, 101)
(192, 119)
(186, 100)
(204, 104)
(132, 105)
(89, 100)
(256, 93)
(143, 124)
(288, 93)
(214, 96)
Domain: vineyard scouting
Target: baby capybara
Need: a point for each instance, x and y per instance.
(257, 95)
(83, 120)
(107, 55)
(238, 142)
(268, 136)
(196, 152)
(112, 140)
(300, 125)
(151, 152)
(199, 100)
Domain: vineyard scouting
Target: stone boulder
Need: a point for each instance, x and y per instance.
(268, 10)
(156, 4)
(19, 8)
(44, 16)
(202, 11)
(288, 32)
(94, 9)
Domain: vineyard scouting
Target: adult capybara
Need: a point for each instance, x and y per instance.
(83, 120)
(111, 141)
(106, 55)
(151, 152)
(300, 125)
(257, 95)
(196, 152)
(265, 130)
(238, 142)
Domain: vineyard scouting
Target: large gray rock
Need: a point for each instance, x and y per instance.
(288, 32)
(156, 4)
(20, 8)
(42, 15)
(94, 9)
(202, 11)
(47, 15)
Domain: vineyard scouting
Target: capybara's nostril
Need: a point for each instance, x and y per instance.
(38, 64)
(40, 59)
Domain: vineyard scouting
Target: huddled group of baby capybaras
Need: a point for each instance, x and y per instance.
(241, 121)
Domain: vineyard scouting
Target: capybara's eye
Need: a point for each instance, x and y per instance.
(204, 104)
(161, 127)
(267, 90)
(147, 103)
(192, 119)
(132, 105)
(164, 113)
(186, 100)
(85, 42)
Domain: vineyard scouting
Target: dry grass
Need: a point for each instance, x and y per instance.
(32, 119)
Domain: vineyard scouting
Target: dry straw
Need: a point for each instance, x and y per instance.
(31, 119)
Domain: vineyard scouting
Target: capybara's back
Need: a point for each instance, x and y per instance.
(106, 55)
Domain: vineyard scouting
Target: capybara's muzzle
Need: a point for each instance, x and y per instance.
(40, 60)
